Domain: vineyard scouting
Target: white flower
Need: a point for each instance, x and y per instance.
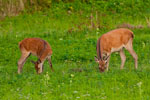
(85, 95)
(139, 84)
(77, 97)
(75, 91)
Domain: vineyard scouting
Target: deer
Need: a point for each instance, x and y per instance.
(115, 41)
(36, 47)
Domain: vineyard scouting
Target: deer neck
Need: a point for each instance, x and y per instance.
(99, 50)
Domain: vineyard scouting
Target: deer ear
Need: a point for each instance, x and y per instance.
(33, 62)
(96, 59)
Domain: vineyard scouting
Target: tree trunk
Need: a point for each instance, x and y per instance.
(21, 5)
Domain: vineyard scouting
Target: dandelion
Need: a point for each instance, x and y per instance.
(71, 8)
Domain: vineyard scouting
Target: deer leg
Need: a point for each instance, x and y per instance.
(50, 62)
(40, 66)
(107, 63)
(22, 60)
(129, 47)
(134, 55)
(123, 58)
(42, 58)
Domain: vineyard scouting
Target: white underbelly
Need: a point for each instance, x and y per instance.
(117, 49)
(33, 53)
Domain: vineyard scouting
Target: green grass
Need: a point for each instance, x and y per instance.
(76, 75)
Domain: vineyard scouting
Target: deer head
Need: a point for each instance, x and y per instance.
(102, 63)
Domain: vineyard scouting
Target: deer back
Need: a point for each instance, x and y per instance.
(36, 46)
(117, 38)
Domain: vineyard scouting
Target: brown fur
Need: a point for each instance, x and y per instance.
(37, 47)
(115, 38)
(113, 41)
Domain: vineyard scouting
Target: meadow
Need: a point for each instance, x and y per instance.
(73, 41)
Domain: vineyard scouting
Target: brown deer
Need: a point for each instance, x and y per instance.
(37, 47)
(114, 41)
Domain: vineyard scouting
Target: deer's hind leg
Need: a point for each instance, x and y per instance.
(129, 47)
(22, 60)
(50, 62)
(123, 58)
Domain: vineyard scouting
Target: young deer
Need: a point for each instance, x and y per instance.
(37, 47)
(114, 41)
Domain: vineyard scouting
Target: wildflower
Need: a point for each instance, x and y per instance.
(139, 84)
(103, 97)
(85, 95)
(70, 81)
(71, 8)
(143, 44)
(97, 31)
(140, 89)
(46, 78)
(77, 97)
(75, 92)
(60, 39)
(72, 75)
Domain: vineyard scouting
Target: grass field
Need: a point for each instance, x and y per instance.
(76, 75)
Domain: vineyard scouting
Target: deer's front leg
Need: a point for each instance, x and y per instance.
(107, 63)
(40, 67)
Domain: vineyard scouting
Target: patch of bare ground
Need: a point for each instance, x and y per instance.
(130, 26)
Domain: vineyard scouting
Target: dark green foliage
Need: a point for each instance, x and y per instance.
(126, 7)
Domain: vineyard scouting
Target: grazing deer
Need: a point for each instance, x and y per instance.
(37, 47)
(114, 41)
